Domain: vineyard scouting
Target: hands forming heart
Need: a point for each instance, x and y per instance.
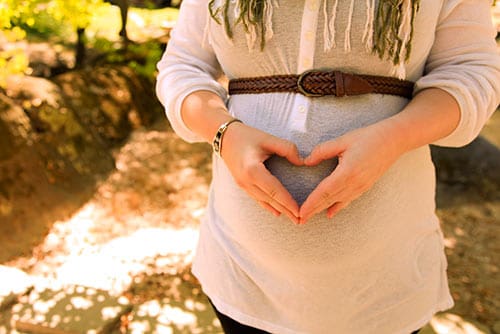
(363, 157)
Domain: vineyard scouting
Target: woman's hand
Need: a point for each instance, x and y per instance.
(244, 151)
(363, 156)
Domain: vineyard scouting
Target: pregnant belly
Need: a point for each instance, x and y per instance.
(298, 180)
(243, 222)
(393, 207)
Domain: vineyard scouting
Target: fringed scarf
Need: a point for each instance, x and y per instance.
(388, 30)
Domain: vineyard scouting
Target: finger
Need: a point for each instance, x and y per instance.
(269, 208)
(260, 176)
(325, 151)
(323, 196)
(335, 208)
(317, 201)
(270, 204)
(285, 149)
(275, 190)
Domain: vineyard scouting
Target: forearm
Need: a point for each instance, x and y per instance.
(431, 115)
(203, 112)
(244, 152)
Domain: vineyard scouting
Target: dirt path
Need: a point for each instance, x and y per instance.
(159, 190)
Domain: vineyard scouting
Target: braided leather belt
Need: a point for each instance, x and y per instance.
(315, 83)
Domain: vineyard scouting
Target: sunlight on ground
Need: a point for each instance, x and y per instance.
(449, 323)
(12, 283)
(135, 238)
(142, 23)
(130, 248)
(111, 265)
(67, 308)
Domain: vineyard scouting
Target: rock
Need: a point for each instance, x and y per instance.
(58, 125)
(51, 171)
(472, 167)
(496, 327)
(15, 128)
(112, 100)
(71, 124)
(47, 59)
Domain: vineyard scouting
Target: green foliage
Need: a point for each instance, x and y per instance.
(12, 60)
(39, 17)
(77, 13)
(58, 20)
(150, 54)
(142, 58)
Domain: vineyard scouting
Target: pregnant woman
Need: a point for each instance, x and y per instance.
(321, 213)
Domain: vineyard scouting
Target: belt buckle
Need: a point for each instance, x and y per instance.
(302, 89)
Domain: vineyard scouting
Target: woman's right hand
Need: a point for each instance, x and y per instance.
(244, 150)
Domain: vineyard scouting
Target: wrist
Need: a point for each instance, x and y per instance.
(431, 115)
(220, 134)
(396, 135)
(203, 112)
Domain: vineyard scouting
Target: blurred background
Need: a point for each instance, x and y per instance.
(100, 201)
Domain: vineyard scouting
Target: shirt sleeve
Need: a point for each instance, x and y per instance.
(188, 64)
(464, 62)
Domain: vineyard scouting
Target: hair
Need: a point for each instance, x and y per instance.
(391, 30)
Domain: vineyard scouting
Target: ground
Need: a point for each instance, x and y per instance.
(132, 233)
(160, 184)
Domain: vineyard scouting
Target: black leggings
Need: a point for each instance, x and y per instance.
(231, 326)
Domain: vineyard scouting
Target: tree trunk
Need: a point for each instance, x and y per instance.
(123, 4)
(80, 48)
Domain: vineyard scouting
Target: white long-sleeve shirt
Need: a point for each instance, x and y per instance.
(378, 266)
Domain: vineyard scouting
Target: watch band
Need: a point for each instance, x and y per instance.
(217, 141)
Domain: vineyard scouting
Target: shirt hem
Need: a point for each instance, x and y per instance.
(243, 318)
(445, 305)
(248, 320)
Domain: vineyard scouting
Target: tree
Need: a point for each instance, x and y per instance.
(12, 60)
(123, 5)
(18, 14)
(78, 14)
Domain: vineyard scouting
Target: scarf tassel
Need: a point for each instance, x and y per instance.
(388, 30)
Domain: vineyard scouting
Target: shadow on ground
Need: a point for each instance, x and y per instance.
(56, 144)
(468, 204)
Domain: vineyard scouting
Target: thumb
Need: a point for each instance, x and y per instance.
(324, 151)
(285, 149)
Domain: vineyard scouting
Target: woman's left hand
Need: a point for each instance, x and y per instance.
(363, 154)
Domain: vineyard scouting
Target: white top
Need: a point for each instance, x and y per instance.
(378, 266)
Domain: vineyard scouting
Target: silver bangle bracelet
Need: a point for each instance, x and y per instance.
(217, 141)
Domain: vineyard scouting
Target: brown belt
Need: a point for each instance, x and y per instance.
(319, 83)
